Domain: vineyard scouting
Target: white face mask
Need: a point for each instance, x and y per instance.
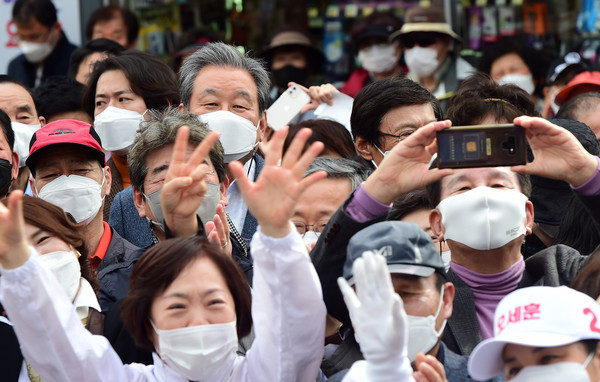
(310, 237)
(422, 335)
(382, 153)
(35, 52)
(23, 134)
(484, 218)
(446, 257)
(380, 58)
(237, 134)
(524, 81)
(65, 267)
(205, 212)
(80, 196)
(198, 352)
(421, 61)
(556, 372)
(117, 128)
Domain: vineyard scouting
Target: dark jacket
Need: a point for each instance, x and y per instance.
(56, 64)
(455, 366)
(119, 250)
(124, 218)
(250, 223)
(554, 266)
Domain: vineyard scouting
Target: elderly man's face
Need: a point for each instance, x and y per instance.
(18, 104)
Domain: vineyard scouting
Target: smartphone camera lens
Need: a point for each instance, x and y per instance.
(509, 145)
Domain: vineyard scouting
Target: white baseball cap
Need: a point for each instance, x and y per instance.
(536, 316)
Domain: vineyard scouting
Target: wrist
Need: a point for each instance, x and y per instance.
(276, 231)
(379, 190)
(16, 256)
(586, 172)
(182, 225)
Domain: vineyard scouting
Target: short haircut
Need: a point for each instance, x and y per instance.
(340, 168)
(110, 12)
(52, 219)
(41, 10)
(7, 130)
(577, 107)
(222, 55)
(148, 76)
(59, 94)
(408, 203)
(334, 136)
(100, 45)
(158, 267)
(478, 97)
(375, 100)
(160, 131)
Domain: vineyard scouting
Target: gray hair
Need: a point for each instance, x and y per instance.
(223, 55)
(340, 168)
(160, 130)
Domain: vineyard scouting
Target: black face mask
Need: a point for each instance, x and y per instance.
(288, 74)
(5, 176)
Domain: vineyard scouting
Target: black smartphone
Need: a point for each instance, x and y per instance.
(481, 146)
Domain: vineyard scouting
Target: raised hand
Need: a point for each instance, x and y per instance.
(429, 369)
(318, 95)
(217, 230)
(14, 251)
(185, 187)
(272, 198)
(378, 317)
(406, 167)
(557, 153)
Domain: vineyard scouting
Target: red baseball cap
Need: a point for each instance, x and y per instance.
(584, 82)
(65, 132)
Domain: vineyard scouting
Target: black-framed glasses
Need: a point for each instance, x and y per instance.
(399, 137)
(425, 39)
(318, 227)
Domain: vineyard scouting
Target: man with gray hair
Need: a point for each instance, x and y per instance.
(230, 91)
(320, 201)
(136, 211)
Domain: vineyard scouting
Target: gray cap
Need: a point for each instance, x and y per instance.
(405, 246)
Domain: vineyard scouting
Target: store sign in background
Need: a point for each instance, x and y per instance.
(68, 16)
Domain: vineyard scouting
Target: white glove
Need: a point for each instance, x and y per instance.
(379, 319)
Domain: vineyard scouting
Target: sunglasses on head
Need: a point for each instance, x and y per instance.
(420, 39)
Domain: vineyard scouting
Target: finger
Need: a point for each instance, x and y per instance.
(383, 277)
(199, 172)
(180, 146)
(300, 86)
(424, 136)
(295, 148)
(362, 285)
(436, 365)
(239, 174)
(202, 151)
(311, 179)
(174, 186)
(429, 372)
(350, 298)
(273, 153)
(223, 217)
(307, 158)
(209, 227)
(220, 229)
(309, 106)
(214, 238)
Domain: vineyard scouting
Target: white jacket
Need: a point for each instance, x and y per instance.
(287, 309)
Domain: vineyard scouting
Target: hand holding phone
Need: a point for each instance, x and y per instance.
(482, 146)
(286, 107)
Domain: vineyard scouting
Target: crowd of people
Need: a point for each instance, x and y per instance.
(155, 227)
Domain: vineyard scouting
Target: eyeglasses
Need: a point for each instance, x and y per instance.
(399, 137)
(421, 39)
(302, 227)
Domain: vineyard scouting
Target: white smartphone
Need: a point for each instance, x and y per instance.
(286, 107)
